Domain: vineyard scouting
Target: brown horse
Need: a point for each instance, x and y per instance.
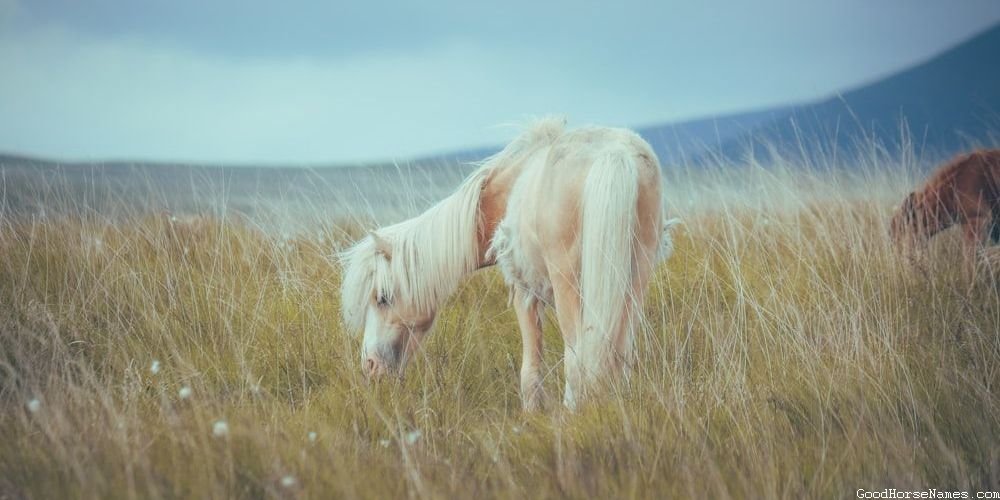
(965, 191)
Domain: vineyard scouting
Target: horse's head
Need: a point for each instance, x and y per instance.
(913, 223)
(377, 299)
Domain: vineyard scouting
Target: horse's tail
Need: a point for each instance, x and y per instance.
(608, 240)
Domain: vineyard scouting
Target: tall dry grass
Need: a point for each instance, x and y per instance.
(788, 352)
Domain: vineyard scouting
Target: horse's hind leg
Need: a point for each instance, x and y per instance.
(974, 232)
(529, 320)
(574, 377)
(995, 224)
(992, 255)
(568, 309)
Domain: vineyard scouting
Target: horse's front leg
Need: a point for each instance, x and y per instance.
(530, 322)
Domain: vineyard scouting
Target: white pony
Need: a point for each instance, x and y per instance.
(575, 222)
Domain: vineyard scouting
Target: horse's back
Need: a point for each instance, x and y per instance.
(553, 185)
(988, 165)
(970, 173)
(544, 218)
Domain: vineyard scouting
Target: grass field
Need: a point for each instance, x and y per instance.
(788, 353)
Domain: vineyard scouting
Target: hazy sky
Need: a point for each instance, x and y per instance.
(329, 81)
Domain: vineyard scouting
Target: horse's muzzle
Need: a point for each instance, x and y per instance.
(376, 367)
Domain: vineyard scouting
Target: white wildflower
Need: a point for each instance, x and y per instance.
(288, 481)
(185, 392)
(220, 428)
(155, 367)
(383, 443)
(34, 405)
(413, 436)
(312, 436)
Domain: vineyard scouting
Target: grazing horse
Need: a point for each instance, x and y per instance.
(574, 219)
(965, 191)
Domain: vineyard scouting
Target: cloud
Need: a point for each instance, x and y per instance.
(73, 97)
(8, 10)
(110, 80)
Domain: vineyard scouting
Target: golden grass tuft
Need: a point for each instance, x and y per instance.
(789, 352)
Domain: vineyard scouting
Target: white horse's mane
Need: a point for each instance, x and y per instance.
(420, 261)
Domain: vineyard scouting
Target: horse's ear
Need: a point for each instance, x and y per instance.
(382, 246)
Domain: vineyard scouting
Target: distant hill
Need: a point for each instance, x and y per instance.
(689, 141)
(273, 196)
(947, 104)
(674, 143)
